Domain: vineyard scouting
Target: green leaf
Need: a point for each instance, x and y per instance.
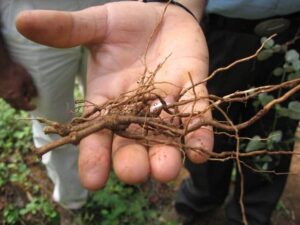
(288, 68)
(291, 55)
(255, 143)
(296, 65)
(265, 166)
(281, 111)
(275, 136)
(265, 98)
(269, 43)
(293, 76)
(266, 159)
(277, 48)
(278, 71)
(294, 110)
(256, 104)
(11, 214)
(264, 54)
(263, 39)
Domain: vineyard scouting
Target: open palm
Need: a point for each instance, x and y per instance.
(117, 35)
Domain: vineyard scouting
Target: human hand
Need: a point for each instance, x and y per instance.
(117, 35)
(17, 87)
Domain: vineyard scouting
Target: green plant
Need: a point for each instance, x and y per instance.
(11, 214)
(15, 132)
(23, 195)
(289, 70)
(121, 204)
(39, 204)
(15, 140)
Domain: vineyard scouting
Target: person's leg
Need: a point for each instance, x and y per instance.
(260, 196)
(262, 191)
(205, 189)
(53, 71)
(208, 185)
(54, 78)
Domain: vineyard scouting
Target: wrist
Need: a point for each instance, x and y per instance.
(194, 7)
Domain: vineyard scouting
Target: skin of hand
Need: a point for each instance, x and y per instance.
(17, 87)
(117, 35)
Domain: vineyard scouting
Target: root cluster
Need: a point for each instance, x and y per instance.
(137, 115)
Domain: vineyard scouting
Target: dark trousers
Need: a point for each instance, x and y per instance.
(209, 183)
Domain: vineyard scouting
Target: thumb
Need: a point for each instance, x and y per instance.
(63, 29)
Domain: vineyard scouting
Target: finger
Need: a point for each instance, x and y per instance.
(130, 161)
(199, 143)
(165, 162)
(165, 159)
(63, 29)
(95, 158)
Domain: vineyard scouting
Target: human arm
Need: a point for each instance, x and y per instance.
(196, 7)
(16, 85)
(117, 35)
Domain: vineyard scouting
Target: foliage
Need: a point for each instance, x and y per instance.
(39, 204)
(289, 70)
(11, 214)
(15, 182)
(119, 203)
(14, 132)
